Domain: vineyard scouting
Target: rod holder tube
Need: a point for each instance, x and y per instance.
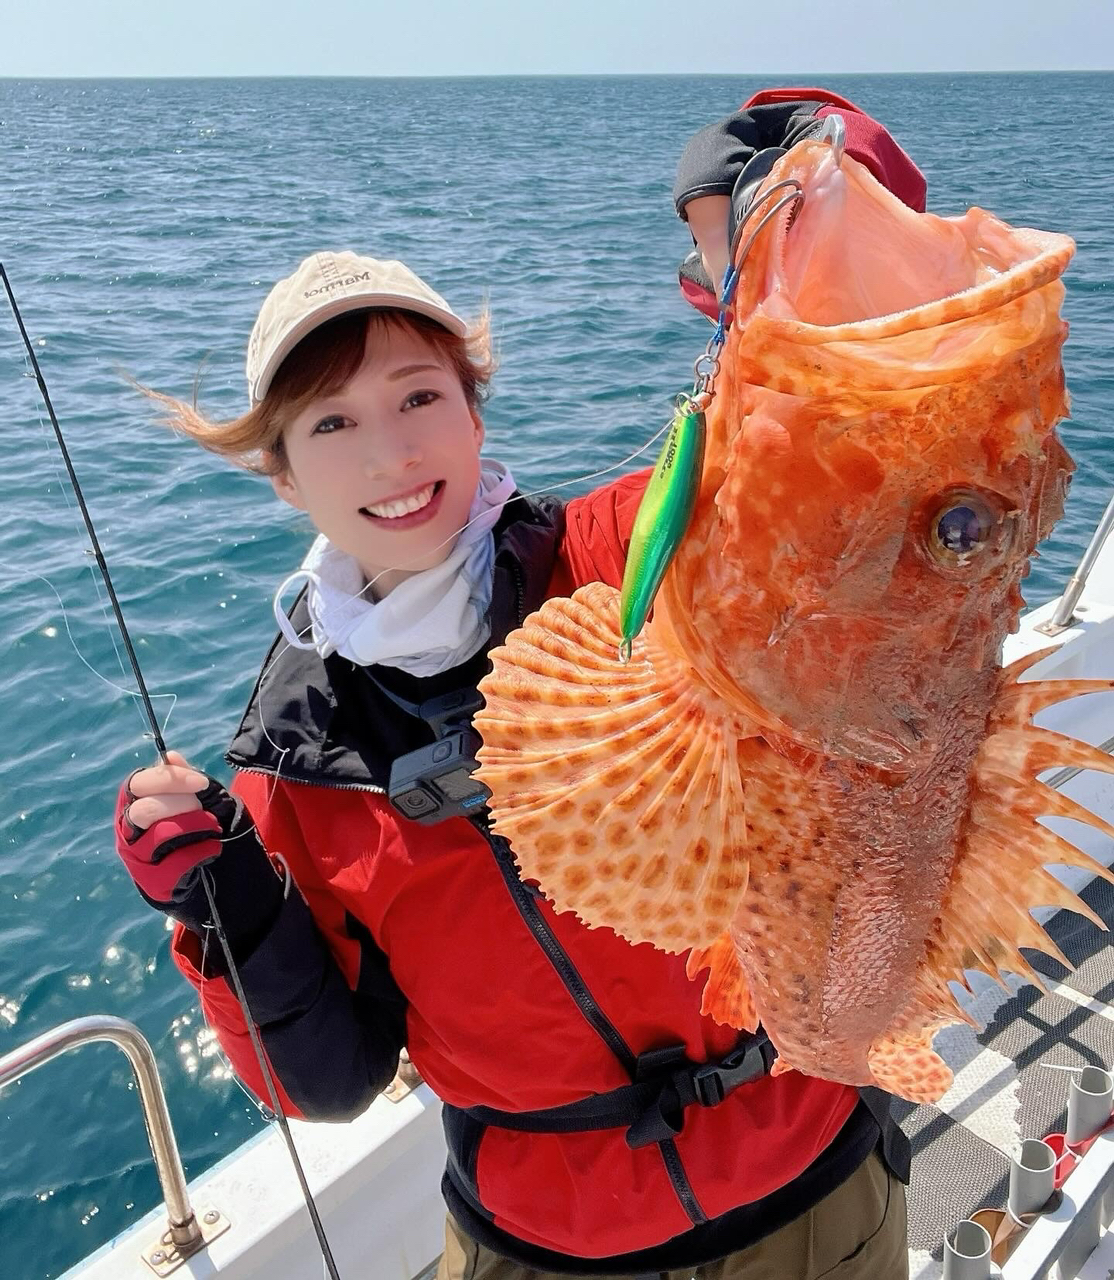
(1090, 1101)
(127, 1037)
(1032, 1177)
(967, 1253)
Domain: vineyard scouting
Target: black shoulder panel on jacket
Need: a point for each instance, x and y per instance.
(308, 717)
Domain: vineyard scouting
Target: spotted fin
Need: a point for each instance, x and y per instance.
(617, 784)
(909, 1068)
(727, 997)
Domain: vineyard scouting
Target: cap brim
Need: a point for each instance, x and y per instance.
(339, 307)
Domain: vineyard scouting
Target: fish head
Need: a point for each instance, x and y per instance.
(882, 462)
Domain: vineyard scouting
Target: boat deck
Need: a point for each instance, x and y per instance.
(1007, 1087)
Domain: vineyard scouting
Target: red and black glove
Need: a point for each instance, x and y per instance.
(165, 861)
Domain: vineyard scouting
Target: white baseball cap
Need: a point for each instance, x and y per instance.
(327, 285)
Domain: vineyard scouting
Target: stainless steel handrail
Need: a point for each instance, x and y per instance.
(1064, 613)
(184, 1229)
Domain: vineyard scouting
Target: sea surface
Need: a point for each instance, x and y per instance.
(141, 223)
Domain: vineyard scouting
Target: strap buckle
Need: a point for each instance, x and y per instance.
(713, 1081)
(680, 1084)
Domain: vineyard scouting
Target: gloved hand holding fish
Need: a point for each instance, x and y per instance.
(812, 770)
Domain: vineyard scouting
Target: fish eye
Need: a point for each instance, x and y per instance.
(964, 529)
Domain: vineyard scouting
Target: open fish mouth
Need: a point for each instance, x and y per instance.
(812, 774)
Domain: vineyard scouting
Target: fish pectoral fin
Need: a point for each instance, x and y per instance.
(727, 996)
(617, 784)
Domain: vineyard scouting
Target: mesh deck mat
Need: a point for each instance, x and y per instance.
(1006, 1088)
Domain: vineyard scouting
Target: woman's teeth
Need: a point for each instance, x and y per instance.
(402, 506)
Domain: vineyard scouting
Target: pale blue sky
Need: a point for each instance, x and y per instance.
(518, 37)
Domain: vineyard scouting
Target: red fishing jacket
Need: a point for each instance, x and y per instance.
(426, 936)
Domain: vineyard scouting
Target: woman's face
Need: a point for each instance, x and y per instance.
(387, 467)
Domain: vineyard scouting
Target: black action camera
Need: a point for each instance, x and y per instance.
(435, 782)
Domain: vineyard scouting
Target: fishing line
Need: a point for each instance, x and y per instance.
(160, 746)
(98, 555)
(131, 693)
(101, 602)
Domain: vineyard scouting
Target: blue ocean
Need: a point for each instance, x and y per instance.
(141, 223)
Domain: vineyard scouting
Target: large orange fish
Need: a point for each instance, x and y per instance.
(813, 771)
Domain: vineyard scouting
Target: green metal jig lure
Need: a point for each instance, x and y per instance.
(663, 516)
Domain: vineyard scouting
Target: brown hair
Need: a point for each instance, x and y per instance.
(319, 365)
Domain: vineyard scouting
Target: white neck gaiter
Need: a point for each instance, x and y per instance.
(430, 622)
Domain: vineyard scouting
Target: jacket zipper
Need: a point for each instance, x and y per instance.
(527, 903)
(520, 590)
(310, 782)
(528, 908)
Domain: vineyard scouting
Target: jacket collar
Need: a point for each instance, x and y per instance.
(324, 722)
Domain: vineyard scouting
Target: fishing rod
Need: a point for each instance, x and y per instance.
(160, 746)
(98, 554)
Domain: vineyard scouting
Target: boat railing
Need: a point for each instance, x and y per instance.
(1064, 614)
(186, 1232)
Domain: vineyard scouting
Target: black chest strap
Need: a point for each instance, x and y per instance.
(652, 1108)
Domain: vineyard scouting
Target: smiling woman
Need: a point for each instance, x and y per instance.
(368, 420)
(386, 465)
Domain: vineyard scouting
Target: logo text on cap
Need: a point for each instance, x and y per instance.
(336, 284)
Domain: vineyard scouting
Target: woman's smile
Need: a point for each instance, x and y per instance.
(408, 510)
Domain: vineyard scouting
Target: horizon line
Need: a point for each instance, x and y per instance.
(565, 75)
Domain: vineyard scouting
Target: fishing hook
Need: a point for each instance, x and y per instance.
(706, 366)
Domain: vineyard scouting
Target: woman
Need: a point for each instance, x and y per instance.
(597, 1123)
